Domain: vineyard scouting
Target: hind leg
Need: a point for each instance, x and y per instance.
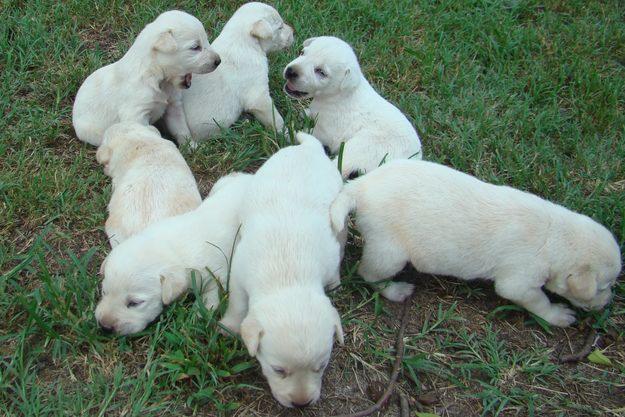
(381, 259)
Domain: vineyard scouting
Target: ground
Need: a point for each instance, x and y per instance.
(525, 93)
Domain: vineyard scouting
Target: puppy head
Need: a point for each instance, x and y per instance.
(263, 24)
(124, 142)
(179, 44)
(587, 284)
(134, 288)
(326, 67)
(291, 334)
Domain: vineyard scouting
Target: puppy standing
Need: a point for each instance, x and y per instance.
(286, 256)
(446, 222)
(347, 109)
(241, 84)
(153, 268)
(151, 180)
(145, 84)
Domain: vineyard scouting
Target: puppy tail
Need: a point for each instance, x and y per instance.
(307, 139)
(341, 207)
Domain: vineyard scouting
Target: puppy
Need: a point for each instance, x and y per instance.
(287, 254)
(153, 268)
(446, 222)
(347, 109)
(145, 84)
(241, 84)
(151, 180)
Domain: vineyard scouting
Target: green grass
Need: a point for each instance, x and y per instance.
(525, 93)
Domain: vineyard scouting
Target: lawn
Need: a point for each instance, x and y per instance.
(525, 93)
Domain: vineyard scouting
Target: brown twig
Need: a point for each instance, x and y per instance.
(403, 405)
(399, 355)
(591, 338)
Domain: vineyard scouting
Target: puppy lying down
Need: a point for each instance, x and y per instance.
(151, 180)
(347, 108)
(153, 268)
(446, 222)
(145, 84)
(286, 256)
(241, 84)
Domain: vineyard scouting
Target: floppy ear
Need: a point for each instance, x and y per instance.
(350, 80)
(172, 286)
(261, 30)
(308, 41)
(338, 328)
(251, 332)
(103, 154)
(582, 285)
(166, 42)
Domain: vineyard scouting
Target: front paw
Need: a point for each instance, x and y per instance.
(398, 291)
(560, 315)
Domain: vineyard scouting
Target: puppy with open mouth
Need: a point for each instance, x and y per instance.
(347, 109)
(146, 83)
(287, 255)
(241, 84)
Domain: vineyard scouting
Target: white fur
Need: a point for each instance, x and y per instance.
(446, 222)
(347, 108)
(241, 84)
(151, 180)
(145, 83)
(155, 267)
(286, 256)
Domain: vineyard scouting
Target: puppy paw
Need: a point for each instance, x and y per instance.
(560, 315)
(398, 291)
(232, 325)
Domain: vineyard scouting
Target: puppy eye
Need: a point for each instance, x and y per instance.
(134, 303)
(196, 48)
(320, 72)
(281, 372)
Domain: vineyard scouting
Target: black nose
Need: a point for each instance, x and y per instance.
(290, 73)
(217, 62)
(106, 329)
(301, 405)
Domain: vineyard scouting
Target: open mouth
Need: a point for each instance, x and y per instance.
(293, 92)
(186, 81)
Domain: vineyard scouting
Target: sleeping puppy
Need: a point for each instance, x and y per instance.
(151, 180)
(286, 256)
(241, 84)
(347, 109)
(446, 222)
(146, 82)
(153, 268)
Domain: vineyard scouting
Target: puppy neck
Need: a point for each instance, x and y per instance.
(346, 96)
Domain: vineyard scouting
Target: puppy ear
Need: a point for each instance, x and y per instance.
(582, 285)
(103, 154)
(338, 327)
(251, 332)
(350, 80)
(172, 286)
(309, 41)
(261, 30)
(166, 42)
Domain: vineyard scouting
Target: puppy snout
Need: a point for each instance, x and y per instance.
(290, 73)
(106, 327)
(217, 61)
(301, 405)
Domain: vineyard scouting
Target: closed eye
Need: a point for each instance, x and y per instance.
(197, 47)
(320, 72)
(134, 303)
(281, 372)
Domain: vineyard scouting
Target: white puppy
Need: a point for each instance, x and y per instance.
(446, 222)
(241, 84)
(286, 256)
(151, 180)
(153, 268)
(347, 109)
(145, 83)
